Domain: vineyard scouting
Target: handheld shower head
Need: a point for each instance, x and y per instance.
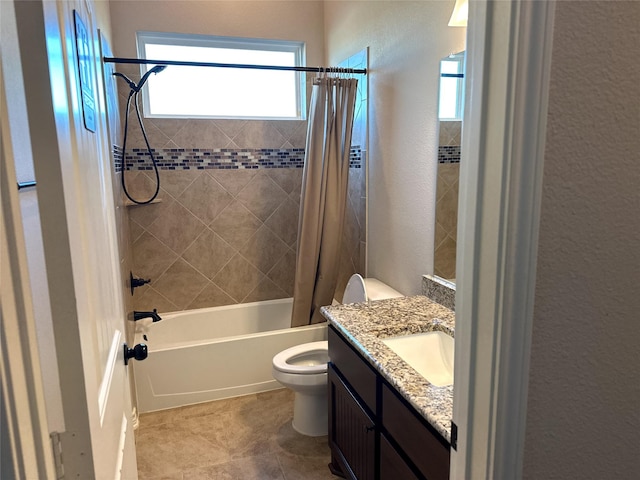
(157, 69)
(133, 94)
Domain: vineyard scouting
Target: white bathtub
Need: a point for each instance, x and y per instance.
(212, 353)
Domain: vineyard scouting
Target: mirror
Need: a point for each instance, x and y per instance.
(451, 107)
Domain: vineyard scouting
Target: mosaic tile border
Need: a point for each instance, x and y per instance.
(449, 154)
(220, 158)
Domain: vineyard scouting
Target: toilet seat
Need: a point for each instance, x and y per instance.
(306, 359)
(355, 291)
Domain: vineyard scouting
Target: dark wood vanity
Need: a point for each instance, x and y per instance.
(374, 433)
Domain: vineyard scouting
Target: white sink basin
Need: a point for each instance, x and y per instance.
(430, 354)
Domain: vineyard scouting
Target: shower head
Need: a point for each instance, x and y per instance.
(157, 69)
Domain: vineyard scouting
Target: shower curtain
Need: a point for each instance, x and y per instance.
(324, 196)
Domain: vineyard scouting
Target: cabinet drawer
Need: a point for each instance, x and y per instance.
(353, 368)
(392, 466)
(424, 446)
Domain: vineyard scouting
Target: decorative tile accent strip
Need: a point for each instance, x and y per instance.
(224, 158)
(355, 157)
(117, 158)
(449, 154)
(439, 290)
(217, 158)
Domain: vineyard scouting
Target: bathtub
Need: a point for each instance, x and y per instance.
(213, 353)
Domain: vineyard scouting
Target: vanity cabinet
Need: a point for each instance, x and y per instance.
(374, 434)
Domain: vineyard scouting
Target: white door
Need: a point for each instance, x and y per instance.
(71, 157)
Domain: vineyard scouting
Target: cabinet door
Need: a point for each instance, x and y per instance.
(353, 369)
(392, 466)
(428, 451)
(351, 431)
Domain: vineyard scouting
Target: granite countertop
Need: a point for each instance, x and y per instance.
(365, 324)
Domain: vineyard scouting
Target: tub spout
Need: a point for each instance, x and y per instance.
(140, 315)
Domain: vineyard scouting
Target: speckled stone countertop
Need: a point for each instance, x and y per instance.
(365, 324)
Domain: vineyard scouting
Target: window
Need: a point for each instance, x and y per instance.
(451, 105)
(209, 92)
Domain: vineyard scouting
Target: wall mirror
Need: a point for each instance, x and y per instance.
(451, 107)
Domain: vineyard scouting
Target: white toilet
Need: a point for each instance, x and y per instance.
(303, 368)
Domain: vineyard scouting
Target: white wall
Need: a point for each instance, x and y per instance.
(583, 418)
(283, 20)
(406, 41)
(103, 17)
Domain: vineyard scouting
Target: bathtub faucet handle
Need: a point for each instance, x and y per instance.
(135, 282)
(153, 315)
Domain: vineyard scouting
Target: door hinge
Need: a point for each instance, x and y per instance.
(454, 436)
(56, 444)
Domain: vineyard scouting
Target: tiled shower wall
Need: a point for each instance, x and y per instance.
(225, 225)
(447, 199)
(354, 247)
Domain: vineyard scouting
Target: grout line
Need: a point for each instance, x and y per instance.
(166, 246)
(206, 284)
(284, 475)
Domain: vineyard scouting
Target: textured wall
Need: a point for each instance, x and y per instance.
(583, 419)
(406, 41)
(284, 20)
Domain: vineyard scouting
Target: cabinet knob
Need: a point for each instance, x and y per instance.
(370, 428)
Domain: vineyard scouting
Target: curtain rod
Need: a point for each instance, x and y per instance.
(144, 61)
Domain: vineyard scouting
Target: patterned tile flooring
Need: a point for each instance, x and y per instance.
(245, 438)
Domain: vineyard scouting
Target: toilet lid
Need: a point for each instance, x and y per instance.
(355, 292)
(306, 359)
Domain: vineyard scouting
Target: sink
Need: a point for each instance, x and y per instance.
(430, 354)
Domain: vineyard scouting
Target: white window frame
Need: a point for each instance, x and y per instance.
(180, 39)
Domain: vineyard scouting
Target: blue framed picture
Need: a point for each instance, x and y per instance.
(85, 69)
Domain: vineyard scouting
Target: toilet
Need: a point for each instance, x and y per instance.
(303, 368)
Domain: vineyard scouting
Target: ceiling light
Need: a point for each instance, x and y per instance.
(459, 14)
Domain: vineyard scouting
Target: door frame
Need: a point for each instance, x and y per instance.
(508, 67)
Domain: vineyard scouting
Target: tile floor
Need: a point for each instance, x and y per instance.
(246, 438)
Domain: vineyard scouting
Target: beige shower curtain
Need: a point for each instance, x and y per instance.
(324, 196)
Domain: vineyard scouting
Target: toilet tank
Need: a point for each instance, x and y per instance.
(377, 290)
(362, 289)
